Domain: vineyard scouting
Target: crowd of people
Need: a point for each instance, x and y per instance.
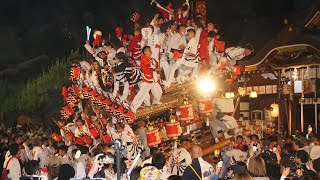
(107, 90)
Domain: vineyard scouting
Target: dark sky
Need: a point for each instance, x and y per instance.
(53, 27)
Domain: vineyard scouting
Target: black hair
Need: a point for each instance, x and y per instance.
(66, 172)
(249, 47)
(197, 22)
(174, 177)
(191, 30)
(212, 34)
(239, 137)
(288, 147)
(135, 173)
(303, 156)
(135, 127)
(121, 55)
(64, 148)
(145, 48)
(14, 149)
(108, 43)
(245, 148)
(153, 150)
(84, 149)
(158, 160)
(181, 26)
(32, 167)
(164, 27)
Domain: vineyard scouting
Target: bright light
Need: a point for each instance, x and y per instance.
(253, 94)
(206, 85)
(229, 95)
(274, 110)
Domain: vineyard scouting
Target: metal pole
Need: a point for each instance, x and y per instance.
(117, 147)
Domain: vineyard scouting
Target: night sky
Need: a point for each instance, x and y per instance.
(30, 28)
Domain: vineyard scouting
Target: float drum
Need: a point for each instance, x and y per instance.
(153, 137)
(173, 129)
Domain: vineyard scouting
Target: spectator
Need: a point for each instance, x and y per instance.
(12, 168)
(242, 176)
(257, 168)
(66, 172)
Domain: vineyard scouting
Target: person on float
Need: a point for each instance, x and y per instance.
(164, 38)
(199, 168)
(181, 15)
(176, 47)
(188, 62)
(120, 39)
(151, 79)
(180, 159)
(69, 127)
(38, 153)
(134, 48)
(82, 130)
(234, 54)
(120, 64)
(153, 42)
(203, 45)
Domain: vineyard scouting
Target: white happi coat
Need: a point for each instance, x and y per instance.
(38, 154)
(13, 167)
(178, 161)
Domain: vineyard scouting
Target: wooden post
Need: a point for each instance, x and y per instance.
(316, 103)
(279, 96)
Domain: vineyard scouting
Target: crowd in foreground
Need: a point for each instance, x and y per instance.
(98, 113)
(29, 152)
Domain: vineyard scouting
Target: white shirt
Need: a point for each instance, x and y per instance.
(176, 41)
(238, 155)
(235, 53)
(38, 154)
(13, 167)
(154, 43)
(180, 158)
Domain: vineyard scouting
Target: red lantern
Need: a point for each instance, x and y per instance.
(135, 17)
(186, 111)
(86, 139)
(69, 135)
(106, 137)
(74, 73)
(173, 129)
(55, 136)
(93, 131)
(206, 105)
(79, 141)
(153, 137)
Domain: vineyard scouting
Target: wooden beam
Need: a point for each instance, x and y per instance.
(216, 146)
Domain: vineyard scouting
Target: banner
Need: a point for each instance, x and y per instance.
(201, 8)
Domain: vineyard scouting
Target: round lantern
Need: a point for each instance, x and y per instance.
(173, 129)
(94, 131)
(186, 111)
(135, 17)
(206, 105)
(153, 136)
(86, 139)
(106, 137)
(274, 110)
(79, 141)
(69, 135)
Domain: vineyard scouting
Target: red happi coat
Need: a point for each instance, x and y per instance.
(148, 66)
(135, 47)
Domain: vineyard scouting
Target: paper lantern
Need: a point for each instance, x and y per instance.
(205, 105)
(229, 95)
(55, 136)
(253, 94)
(274, 110)
(153, 137)
(173, 129)
(241, 91)
(135, 17)
(186, 111)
